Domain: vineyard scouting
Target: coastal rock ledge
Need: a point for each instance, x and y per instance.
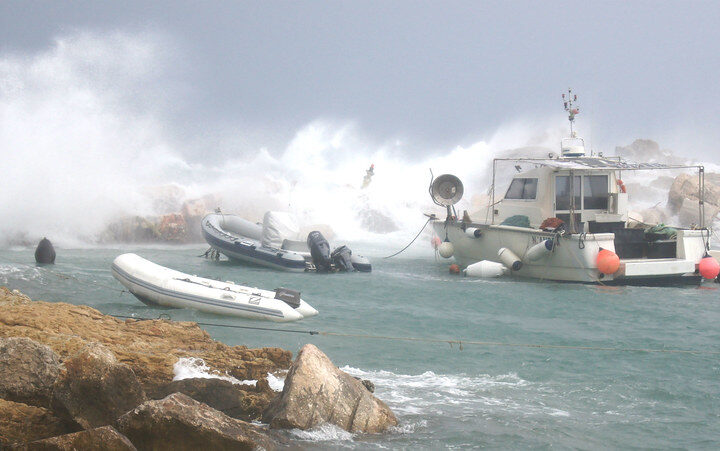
(317, 392)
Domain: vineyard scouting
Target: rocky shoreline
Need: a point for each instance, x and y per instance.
(74, 378)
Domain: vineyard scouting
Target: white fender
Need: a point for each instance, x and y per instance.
(473, 232)
(485, 269)
(446, 249)
(509, 259)
(539, 250)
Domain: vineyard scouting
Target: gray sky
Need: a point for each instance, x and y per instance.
(433, 74)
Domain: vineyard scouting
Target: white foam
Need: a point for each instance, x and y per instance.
(276, 383)
(194, 367)
(323, 433)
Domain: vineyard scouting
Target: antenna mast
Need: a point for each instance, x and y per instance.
(571, 109)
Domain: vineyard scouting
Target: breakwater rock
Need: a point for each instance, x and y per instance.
(317, 392)
(74, 378)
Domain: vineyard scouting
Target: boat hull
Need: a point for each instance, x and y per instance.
(156, 285)
(573, 257)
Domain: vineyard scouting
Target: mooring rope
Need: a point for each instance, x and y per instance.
(413, 240)
(451, 342)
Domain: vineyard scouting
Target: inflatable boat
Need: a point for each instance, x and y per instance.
(157, 285)
(275, 244)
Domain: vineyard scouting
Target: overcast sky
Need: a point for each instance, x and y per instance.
(432, 74)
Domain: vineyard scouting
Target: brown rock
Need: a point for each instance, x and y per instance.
(105, 438)
(244, 402)
(684, 196)
(178, 422)
(27, 371)
(21, 423)
(150, 348)
(172, 228)
(93, 388)
(317, 392)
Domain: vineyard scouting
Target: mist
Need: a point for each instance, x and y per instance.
(87, 139)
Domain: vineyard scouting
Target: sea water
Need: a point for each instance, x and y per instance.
(513, 390)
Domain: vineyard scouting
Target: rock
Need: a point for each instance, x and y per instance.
(20, 423)
(317, 392)
(647, 151)
(150, 348)
(245, 402)
(193, 211)
(369, 385)
(134, 229)
(684, 196)
(106, 437)
(172, 228)
(178, 422)
(376, 221)
(27, 371)
(93, 388)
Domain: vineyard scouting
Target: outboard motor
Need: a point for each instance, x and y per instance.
(319, 250)
(342, 258)
(45, 252)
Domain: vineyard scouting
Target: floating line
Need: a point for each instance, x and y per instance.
(460, 343)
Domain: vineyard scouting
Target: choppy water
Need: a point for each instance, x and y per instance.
(480, 396)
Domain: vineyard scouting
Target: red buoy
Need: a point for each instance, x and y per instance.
(709, 267)
(454, 269)
(607, 261)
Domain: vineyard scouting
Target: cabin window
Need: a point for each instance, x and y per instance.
(595, 192)
(522, 189)
(562, 192)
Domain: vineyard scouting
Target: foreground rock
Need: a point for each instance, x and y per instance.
(149, 348)
(244, 402)
(105, 437)
(93, 389)
(27, 371)
(317, 392)
(178, 422)
(20, 423)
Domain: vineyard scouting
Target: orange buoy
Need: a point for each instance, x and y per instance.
(709, 267)
(607, 261)
(435, 242)
(454, 269)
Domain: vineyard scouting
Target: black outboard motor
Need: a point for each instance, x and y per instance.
(319, 250)
(45, 252)
(341, 257)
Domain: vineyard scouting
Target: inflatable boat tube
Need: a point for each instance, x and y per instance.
(157, 285)
(242, 240)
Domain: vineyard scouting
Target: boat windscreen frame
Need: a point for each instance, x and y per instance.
(601, 163)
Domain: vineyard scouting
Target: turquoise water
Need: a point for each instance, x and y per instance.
(478, 396)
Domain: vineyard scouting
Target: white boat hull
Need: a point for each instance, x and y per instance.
(573, 258)
(158, 285)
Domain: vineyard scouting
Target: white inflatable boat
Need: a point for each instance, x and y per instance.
(156, 285)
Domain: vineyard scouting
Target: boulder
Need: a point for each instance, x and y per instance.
(27, 371)
(245, 402)
(178, 422)
(172, 228)
(684, 196)
(317, 392)
(151, 348)
(106, 437)
(21, 423)
(94, 388)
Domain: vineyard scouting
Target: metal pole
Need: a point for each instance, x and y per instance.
(492, 205)
(701, 195)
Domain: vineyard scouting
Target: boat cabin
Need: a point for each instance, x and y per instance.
(587, 199)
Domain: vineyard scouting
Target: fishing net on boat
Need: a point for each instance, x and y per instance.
(517, 221)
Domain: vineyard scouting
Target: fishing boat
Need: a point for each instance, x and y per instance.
(157, 285)
(275, 244)
(566, 218)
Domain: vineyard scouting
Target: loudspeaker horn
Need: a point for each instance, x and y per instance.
(446, 190)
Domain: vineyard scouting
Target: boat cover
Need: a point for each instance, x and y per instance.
(277, 227)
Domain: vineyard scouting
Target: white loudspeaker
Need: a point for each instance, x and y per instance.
(447, 190)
